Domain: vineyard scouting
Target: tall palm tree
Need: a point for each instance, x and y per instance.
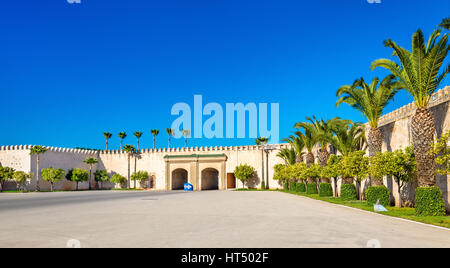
(309, 140)
(288, 155)
(91, 161)
(38, 150)
(122, 136)
(186, 134)
(298, 145)
(169, 132)
(107, 136)
(138, 135)
(445, 24)
(370, 100)
(349, 138)
(262, 141)
(130, 150)
(323, 131)
(155, 133)
(418, 74)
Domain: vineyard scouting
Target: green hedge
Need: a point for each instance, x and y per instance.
(375, 193)
(429, 202)
(263, 185)
(286, 186)
(301, 187)
(348, 192)
(311, 188)
(325, 189)
(292, 185)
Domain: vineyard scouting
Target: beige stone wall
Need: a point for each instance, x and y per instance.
(395, 129)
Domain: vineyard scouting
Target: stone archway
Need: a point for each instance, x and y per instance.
(179, 178)
(210, 179)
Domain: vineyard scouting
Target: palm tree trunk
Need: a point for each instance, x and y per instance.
(154, 142)
(121, 144)
(138, 145)
(374, 141)
(169, 141)
(135, 169)
(128, 180)
(106, 144)
(267, 170)
(51, 186)
(323, 159)
(309, 162)
(185, 142)
(422, 130)
(38, 187)
(262, 166)
(90, 177)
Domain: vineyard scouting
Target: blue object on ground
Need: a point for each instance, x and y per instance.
(379, 208)
(188, 187)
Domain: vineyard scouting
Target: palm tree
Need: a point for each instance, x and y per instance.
(262, 141)
(38, 150)
(186, 133)
(107, 136)
(309, 140)
(169, 132)
(370, 100)
(298, 145)
(138, 135)
(155, 133)
(122, 136)
(91, 161)
(323, 131)
(445, 24)
(288, 155)
(349, 138)
(419, 75)
(130, 150)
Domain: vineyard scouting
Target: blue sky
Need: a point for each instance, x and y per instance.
(69, 72)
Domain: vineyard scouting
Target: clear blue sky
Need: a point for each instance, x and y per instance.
(69, 72)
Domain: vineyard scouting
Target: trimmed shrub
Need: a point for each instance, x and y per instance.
(292, 185)
(429, 202)
(301, 187)
(325, 189)
(375, 193)
(263, 185)
(311, 188)
(286, 186)
(348, 192)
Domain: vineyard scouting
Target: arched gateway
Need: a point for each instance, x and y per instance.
(204, 172)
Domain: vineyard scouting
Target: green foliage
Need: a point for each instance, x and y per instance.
(261, 140)
(313, 172)
(418, 72)
(279, 173)
(292, 185)
(311, 188)
(286, 186)
(442, 152)
(37, 149)
(244, 172)
(325, 189)
(140, 176)
(429, 202)
(6, 174)
(400, 164)
(355, 165)
(138, 134)
(118, 179)
(80, 175)
(263, 185)
(91, 161)
(333, 167)
(122, 135)
(288, 155)
(129, 149)
(371, 99)
(301, 187)
(375, 193)
(21, 177)
(101, 175)
(445, 23)
(52, 175)
(299, 171)
(348, 192)
(349, 137)
(107, 135)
